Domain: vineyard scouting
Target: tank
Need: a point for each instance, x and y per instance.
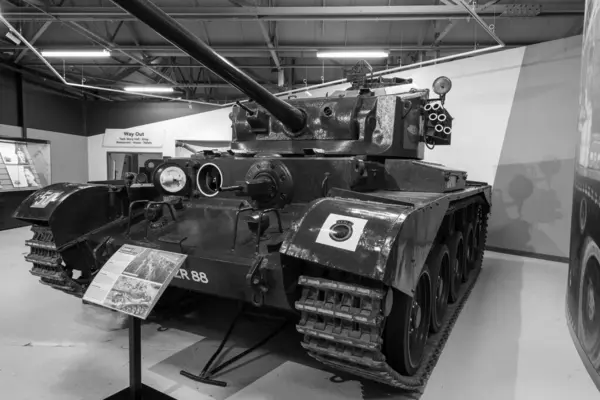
(323, 207)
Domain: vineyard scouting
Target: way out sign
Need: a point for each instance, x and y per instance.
(133, 138)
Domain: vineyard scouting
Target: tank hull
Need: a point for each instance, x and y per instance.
(392, 246)
(356, 255)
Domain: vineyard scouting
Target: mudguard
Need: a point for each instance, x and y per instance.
(383, 242)
(70, 209)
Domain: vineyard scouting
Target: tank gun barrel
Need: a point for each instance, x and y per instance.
(179, 36)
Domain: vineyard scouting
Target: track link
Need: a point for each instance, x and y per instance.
(343, 327)
(48, 264)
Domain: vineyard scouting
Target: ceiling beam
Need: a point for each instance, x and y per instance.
(263, 30)
(269, 44)
(490, 29)
(129, 70)
(443, 34)
(242, 3)
(39, 3)
(33, 39)
(116, 31)
(488, 4)
(102, 41)
(361, 13)
(97, 38)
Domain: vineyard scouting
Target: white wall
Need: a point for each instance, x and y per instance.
(68, 155)
(211, 125)
(532, 198)
(11, 131)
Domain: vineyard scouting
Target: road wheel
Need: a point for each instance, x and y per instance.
(407, 327)
(439, 265)
(470, 250)
(456, 247)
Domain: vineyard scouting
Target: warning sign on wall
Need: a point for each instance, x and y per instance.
(133, 138)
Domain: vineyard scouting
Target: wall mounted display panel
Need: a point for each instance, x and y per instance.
(24, 167)
(24, 164)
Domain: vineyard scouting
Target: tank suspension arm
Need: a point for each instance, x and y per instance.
(179, 36)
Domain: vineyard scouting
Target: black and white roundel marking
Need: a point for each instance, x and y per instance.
(341, 231)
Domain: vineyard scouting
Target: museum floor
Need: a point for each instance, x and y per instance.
(510, 342)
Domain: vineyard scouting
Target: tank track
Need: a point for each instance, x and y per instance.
(343, 326)
(48, 264)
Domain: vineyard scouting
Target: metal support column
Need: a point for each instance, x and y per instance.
(21, 119)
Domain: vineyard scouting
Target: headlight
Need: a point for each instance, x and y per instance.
(170, 178)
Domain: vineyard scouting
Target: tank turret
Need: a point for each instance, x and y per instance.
(360, 121)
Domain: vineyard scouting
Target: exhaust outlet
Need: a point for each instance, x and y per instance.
(439, 128)
(447, 130)
(433, 117)
(442, 117)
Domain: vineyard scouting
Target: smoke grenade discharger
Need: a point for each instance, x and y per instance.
(427, 107)
(439, 128)
(447, 130)
(442, 117)
(433, 117)
(436, 106)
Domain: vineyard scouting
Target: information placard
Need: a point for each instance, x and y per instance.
(133, 138)
(133, 279)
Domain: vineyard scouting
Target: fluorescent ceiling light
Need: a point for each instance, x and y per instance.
(70, 54)
(149, 89)
(352, 54)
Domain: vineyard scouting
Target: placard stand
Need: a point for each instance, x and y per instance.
(137, 390)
